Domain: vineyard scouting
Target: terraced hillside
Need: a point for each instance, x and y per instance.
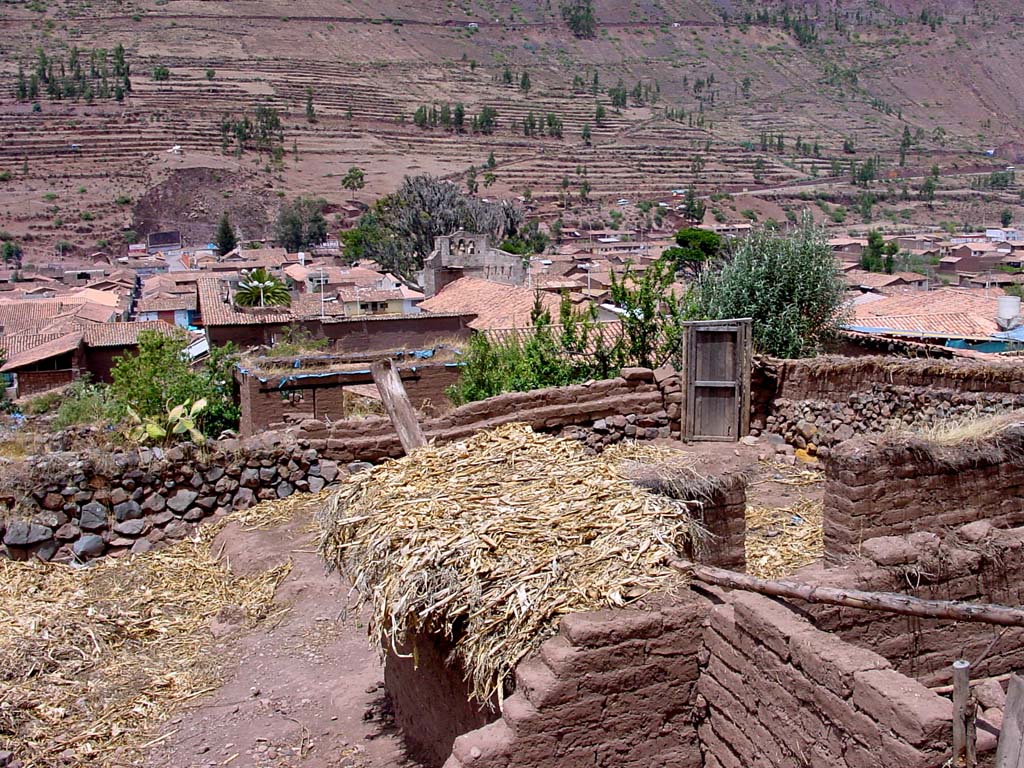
(710, 87)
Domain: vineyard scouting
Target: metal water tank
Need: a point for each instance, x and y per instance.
(1009, 307)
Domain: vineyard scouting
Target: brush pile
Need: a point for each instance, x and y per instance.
(489, 541)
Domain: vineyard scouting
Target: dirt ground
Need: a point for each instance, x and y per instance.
(306, 690)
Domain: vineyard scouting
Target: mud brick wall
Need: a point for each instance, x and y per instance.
(431, 699)
(977, 563)
(878, 486)
(277, 401)
(779, 693)
(723, 515)
(614, 689)
(825, 401)
(630, 406)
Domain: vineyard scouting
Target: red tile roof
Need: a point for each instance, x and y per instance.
(495, 305)
(124, 334)
(947, 311)
(59, 346)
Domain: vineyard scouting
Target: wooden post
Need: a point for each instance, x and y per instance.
(396, 403)
(961, 693)
(1010, 752)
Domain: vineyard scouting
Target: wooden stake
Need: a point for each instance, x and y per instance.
(396, 403)
(1010, 753)
(854, 598)
(961, 694)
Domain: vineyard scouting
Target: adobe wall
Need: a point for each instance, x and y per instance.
(826, 400)
(976, 563)
(614, 689)
(780, 693)
(275, 401)
(888, 486)
(600, 413)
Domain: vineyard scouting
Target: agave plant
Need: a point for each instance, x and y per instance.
(259, 288)
(176, 423)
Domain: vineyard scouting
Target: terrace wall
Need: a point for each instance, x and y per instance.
(883, 486)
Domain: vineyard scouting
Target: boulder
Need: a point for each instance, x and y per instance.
(68, 532)
(155, 503)
(182, 500)
(93, 517)
(329, 471)
(51, 519)
(284, 490)
(90, 545)
(127, 510)
(22, 533)
(134, 527)
(316, 484)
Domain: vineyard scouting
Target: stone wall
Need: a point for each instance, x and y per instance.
(779, 693)
(67, 506)
(886, 486)
(823, 401)
(80, 505)
(631, 406)
(614, 689)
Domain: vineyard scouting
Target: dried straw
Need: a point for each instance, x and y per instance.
(489, 541)
(780, 541)
(91, 659)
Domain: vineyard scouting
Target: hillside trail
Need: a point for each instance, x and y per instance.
(303, 688)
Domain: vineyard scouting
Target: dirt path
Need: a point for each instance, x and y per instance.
(302, 690)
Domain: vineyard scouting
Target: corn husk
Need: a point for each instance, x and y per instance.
(488, 542)
(782, 540)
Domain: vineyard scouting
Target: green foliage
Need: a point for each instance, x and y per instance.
(158, 375)
(259, 288)
(83, 75)
(83, 402)
(398, 231)
(650, 313)
(10, 252)
(354, 179)
(178, 423)
(527, 241)
(878, 256)
(789, 285)
(263, 132)
(161, 73)
(1006, 217)
(546, 357)
(225, 239)
(301, 224)
(579, 15)
(694, 249)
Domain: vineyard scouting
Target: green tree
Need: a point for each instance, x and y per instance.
(789, 285)
(579, 15)
(694, 250)
(524, 82)
(471, 183)
(586, 134)
(1006, 217)
(225, 238)
(161, 74)
(599, 114)
(650, 313)
(259, 288)
(927, 189)
(310, 110)
(10, 252)
(693, 207)
(301, 224)
(354, 179)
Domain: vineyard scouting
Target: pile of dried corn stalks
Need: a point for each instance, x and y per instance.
(92, 658)
(781, 541)
(489, 541)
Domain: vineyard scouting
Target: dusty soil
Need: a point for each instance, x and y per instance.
(304, 690)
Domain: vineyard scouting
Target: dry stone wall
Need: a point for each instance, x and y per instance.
(821, 402)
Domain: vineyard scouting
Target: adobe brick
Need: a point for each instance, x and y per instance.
(902, 704)
(898, 753)
(723, 650)
(844, 716)
(565, 659)
(830, 661)
(717, 753)
(770, 622)
(540, 685)
(599, 628)
(487, 746)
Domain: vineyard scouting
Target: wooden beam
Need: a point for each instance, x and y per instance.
(396, 403)
(890, 602)
(961, 694)
(1010, 752)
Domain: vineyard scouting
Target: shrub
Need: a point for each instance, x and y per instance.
(85, 402)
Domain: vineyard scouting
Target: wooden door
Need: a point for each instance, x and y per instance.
(717, 358)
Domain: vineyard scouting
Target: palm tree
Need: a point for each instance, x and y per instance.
(259, 288)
